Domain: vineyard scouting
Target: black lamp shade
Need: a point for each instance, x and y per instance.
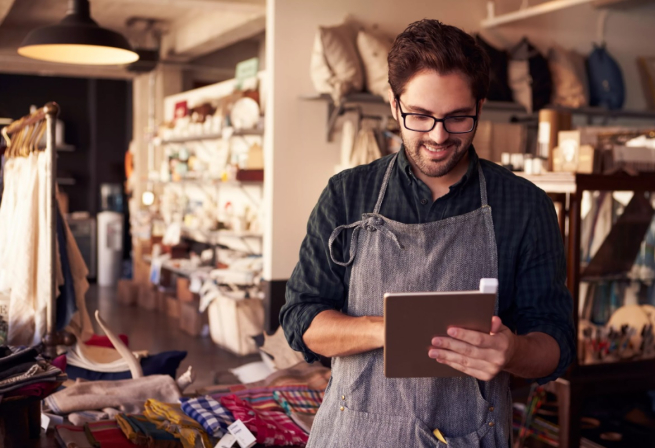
(78, 39)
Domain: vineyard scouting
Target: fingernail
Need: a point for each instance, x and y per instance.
(436, 342)
(452, 332)
(433, 353)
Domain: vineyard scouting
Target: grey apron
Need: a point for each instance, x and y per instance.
(362, 408)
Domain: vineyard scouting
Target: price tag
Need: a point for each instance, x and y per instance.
(244, 437)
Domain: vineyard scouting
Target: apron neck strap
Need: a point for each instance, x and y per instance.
(483, 186)
(385, 183)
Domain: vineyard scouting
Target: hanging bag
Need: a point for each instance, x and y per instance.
(606, 87)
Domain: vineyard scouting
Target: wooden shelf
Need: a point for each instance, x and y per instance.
(213, 236)
(219, 136)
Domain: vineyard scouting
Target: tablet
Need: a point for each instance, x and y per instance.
(411, 320)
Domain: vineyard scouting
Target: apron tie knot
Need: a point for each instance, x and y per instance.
(370, 223)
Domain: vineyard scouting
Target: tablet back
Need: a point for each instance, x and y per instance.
(411, 320)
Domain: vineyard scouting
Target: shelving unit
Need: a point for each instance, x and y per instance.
(335, 111)
(582, 381)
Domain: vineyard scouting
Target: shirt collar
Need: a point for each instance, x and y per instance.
(406, 168)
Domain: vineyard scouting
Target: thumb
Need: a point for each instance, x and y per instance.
(496, 324)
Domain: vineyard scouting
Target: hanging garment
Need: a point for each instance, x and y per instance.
(365, 149)
(25, 265)
(66, 302)
(362, 408)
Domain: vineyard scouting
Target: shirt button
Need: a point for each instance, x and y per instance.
(492, 424)
(424, 201)
(343, 397)
(341, 408)
(491, 409)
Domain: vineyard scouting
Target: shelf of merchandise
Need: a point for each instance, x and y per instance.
(494, 106)
(212, 236)
(584, 380)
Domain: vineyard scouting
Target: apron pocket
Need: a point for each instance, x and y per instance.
(363, 430)
(483, 437)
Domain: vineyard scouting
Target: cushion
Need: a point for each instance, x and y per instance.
(538, 82)
(569, 77)
(165, 363)
(499, 89)
(606, 85)
(374, 51)
(335, 64)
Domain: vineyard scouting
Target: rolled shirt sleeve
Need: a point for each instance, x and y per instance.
(543, 303)
(317, 283)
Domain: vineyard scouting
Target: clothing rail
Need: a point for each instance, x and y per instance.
(16, 130)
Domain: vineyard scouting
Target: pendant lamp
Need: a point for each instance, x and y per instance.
(78, 39)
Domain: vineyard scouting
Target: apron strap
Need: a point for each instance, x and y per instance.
(353, 242)
(370, 223)
(385, 183)
(483, 186)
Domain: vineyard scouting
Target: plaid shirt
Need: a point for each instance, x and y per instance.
(531, 264)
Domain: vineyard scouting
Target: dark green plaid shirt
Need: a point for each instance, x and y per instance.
(531, 264)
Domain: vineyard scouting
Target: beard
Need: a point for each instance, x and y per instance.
(433, 167)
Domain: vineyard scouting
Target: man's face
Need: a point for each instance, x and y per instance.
(437, 152)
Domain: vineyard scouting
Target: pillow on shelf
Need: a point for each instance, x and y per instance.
(335, 64)
(567, 68)
(374, 51)
(532, 89)
(498, 87)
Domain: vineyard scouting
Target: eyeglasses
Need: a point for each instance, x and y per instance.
(457, 124)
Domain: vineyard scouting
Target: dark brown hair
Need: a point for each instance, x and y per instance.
(431, 45)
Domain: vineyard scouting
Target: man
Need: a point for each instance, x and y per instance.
(432, 218)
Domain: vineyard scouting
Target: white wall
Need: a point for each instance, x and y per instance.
(299, 161)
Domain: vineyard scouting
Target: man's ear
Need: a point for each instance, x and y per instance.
(480, 104)
(392, 103)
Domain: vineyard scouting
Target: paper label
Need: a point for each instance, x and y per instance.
(45, 422)
(244, 437)
(226, 442)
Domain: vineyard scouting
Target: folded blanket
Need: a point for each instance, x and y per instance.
(107, 434)
(141, 431)
(213, 417)
(299, 401)
(171, 418)
(37, 373)
(272, 426)
(126, 395)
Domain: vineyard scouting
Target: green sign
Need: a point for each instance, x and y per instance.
(246, 70)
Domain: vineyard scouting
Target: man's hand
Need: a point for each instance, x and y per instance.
(479, 355)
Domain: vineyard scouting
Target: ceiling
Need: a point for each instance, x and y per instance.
(218, 23)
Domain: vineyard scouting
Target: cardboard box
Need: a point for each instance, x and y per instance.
(234, 322)
(183, 292)
(128, 292)
(147, 297)
(172, 306)
(191, 320)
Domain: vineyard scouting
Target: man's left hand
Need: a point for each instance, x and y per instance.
(477, 354)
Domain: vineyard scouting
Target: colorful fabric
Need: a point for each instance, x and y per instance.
(213, 417)
(171, 418)
(70, 436)
(106, 434)
(271, 426)
(140, 431)
(299, 401)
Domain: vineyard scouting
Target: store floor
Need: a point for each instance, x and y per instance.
(156, 332)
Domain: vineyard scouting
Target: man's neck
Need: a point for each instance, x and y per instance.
(440, 186)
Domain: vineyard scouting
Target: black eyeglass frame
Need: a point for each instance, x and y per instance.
(438, 120)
